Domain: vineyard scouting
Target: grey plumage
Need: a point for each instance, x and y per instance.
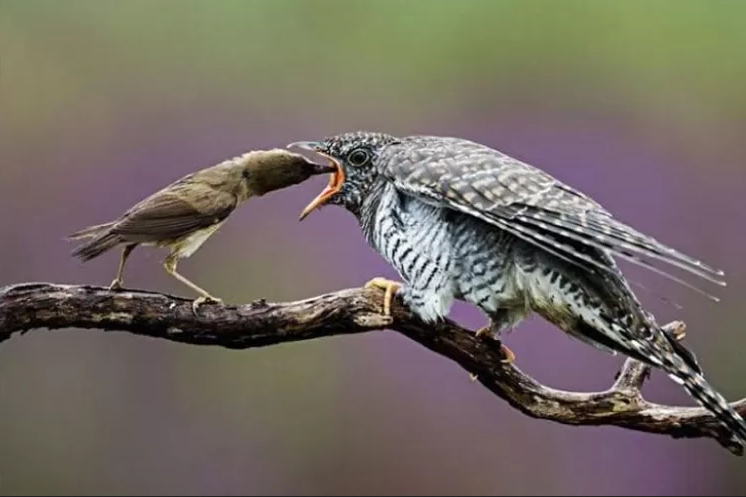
(460, 220)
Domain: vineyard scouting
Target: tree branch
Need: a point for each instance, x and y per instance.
(44, 305)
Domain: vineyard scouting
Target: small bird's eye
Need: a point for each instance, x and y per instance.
(245, 174)
(358, 157)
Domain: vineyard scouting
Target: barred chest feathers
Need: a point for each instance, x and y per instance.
(439, 254)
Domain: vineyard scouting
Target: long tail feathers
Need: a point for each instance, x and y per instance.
(97, 246)
(666, 353)
(696, 385)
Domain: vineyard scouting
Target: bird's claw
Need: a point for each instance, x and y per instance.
(389, 286)
(205, 299)
(508, 356)
(484, 332)
(507, 359)
(116, 285)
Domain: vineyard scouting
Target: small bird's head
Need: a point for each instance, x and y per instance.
(354, 157)
(264, 171)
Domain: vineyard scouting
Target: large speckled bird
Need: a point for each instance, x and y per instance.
(460, 220)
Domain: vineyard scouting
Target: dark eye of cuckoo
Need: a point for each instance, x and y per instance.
(358, 157)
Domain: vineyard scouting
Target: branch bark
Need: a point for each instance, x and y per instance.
(28, 306)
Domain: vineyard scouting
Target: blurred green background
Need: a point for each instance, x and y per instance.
(640, 104)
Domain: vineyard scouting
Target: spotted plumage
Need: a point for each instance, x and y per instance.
(460, 220)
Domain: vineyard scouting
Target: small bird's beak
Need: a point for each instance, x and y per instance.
(336, 179)
(323, 168)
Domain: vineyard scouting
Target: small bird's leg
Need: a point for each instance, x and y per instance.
(390, 286)
(119, 280)
(170, 265)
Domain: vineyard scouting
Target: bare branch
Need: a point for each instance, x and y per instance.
(28, 306)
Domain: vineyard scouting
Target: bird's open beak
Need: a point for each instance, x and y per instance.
(336, 179)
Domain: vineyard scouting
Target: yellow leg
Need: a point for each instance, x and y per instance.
(170, 265)
(119, 280)
(508, 355)
(389, 286)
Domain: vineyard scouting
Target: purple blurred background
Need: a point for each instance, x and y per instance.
(640, 105)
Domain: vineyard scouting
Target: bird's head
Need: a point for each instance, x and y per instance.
(354, 157)
(264, 171)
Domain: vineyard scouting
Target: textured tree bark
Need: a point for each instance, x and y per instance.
(28, 306)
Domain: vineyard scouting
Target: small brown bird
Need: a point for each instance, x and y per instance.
(183, 215)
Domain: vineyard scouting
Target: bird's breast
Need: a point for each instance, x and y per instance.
(189, 244)
(485, 271)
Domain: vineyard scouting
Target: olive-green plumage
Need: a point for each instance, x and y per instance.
(184, 214)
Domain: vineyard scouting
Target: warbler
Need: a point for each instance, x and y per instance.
(184, 214)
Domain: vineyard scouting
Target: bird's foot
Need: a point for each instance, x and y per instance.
(117, 284)
(204, 299)
(390, 286)
(508, 356)
(484, 332)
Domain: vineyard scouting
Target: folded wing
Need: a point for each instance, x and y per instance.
(529, 203)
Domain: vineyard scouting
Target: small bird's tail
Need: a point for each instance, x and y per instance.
(696, 385)
(90, 231)
(98, 245)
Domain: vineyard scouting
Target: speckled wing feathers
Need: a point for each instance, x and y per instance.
(524, 201)
(606, 235)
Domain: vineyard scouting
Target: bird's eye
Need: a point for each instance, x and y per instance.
(245, 174)
(358, 157)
